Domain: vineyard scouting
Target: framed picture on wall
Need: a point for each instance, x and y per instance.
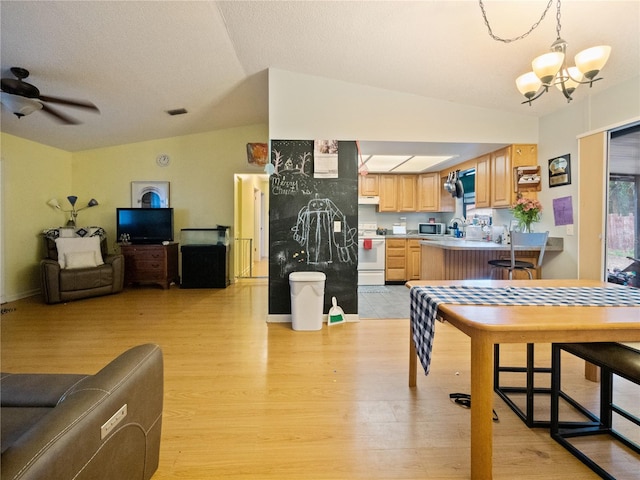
(149, 194)
(560, 171)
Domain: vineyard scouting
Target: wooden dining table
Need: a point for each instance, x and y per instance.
(487, 325)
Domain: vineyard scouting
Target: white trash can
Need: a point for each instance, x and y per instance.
(307, 300)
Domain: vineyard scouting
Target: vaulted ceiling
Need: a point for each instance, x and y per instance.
(138, 59)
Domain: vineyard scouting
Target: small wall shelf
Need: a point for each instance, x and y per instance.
(527, 179)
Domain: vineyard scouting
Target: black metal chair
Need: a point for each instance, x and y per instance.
(613, 359)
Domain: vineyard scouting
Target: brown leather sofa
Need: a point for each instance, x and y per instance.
(65, 284)
(85, 427)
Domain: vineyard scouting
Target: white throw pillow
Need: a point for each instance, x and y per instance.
(80, 259)
(78, 244)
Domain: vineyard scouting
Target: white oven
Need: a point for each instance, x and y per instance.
(371, 251)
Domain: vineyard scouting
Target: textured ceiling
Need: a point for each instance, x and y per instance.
(136, 60)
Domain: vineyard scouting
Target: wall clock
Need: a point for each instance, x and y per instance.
(163, 160)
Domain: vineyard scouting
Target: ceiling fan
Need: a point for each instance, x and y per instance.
(22, 98)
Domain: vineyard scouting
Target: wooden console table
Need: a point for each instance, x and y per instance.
(151, 264)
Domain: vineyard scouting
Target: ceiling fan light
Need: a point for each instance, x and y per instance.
(546, 66)
(19, 105)
(592, 60)
(53, 203)
(528, 84)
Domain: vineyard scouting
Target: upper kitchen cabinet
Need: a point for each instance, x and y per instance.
(495, 184)
(407, 193)
(483, 181)
(431, 195)
(501, 185)
(368, 185)
(388, 193)
(397, 193)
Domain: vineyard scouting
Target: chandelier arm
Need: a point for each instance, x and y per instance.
(519, 37)
(544, 89)
(580, 81)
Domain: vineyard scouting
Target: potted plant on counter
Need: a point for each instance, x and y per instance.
(526, 211)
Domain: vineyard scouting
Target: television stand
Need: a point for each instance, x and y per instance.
(151, 264)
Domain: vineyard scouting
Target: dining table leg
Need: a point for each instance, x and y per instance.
(413, 359)
(481, 408)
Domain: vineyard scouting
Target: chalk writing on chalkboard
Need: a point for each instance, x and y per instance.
(291, 173)
(322, 230)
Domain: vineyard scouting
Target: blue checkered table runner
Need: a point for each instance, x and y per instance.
(425, 301)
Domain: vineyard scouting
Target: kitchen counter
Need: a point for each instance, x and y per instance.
(554, 244)
(448, 258)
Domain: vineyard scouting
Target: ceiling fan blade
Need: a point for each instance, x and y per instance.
(60, 117)
(70, 103)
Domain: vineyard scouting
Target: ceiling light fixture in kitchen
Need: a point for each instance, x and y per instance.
(551, 68)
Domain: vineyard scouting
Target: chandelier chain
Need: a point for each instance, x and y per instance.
(520, 37)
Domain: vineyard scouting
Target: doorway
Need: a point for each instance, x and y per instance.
(251, 218)
(623, 207)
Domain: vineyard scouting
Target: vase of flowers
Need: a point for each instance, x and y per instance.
(527, 211)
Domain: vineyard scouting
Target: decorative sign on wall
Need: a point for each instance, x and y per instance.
(560, 171)
(563, 211)
(257, 154)
(149, 194)
(325, 159)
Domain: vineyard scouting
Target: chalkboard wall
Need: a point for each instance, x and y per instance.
(304, 213)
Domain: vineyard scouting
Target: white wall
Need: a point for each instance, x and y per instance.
(559, 136)
(305, 107)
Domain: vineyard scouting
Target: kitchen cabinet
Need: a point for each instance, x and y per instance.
(483, 181)
(428, 192)
(398, 193)
(495, 183)
(501, 175)
(403, 259)
(414, 255)
(432, 197)
(395, 260)
(388, 193)
(368, 185)
(407, 193)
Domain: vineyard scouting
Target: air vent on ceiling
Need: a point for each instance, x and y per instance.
(177, 111)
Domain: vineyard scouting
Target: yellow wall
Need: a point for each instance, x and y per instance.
(201, 176)
(32, 174)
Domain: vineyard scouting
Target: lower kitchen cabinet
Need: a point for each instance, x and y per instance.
(413, 259)
(402, 259)
(395, 260)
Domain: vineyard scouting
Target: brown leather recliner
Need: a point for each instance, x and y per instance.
(105, 426)
(65, 284)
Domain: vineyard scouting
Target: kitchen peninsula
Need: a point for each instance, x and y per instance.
(447, 258)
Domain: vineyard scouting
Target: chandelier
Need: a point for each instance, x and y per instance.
(551, 68)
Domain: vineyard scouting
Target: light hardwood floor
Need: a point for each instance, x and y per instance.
(249, 400)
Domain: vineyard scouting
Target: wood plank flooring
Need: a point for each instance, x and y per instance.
(249, 400)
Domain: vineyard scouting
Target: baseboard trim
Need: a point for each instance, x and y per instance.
(286, 318)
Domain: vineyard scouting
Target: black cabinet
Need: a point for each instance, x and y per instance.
(205, 266)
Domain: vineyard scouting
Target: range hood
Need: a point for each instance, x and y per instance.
(369, 200)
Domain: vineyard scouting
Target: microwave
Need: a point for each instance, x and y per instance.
(431, 229)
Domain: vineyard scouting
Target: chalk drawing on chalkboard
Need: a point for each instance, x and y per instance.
(300, 165)
(315, 229)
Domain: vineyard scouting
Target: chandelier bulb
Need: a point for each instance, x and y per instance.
(592, 60)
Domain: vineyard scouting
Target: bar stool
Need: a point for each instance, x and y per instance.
(521, 241)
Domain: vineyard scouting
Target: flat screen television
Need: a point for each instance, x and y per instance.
(145, 225)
